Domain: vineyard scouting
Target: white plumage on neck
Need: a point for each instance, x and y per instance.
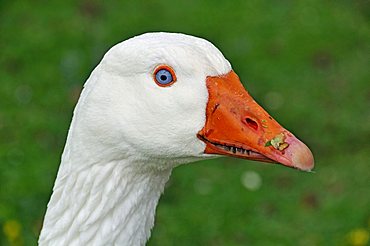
(126, 135)
(108, 204)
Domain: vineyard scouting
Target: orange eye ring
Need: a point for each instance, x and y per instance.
(165, 70)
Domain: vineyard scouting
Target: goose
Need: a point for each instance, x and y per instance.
(154, 102)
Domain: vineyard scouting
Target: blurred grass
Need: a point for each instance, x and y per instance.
(306, 62)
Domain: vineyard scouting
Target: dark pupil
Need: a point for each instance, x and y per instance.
(163, 77)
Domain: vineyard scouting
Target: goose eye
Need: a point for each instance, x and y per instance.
(164, 76)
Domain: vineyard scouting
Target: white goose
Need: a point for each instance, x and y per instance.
(155, 101)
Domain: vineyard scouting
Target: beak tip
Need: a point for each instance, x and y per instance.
(302, 157)
(304, 161)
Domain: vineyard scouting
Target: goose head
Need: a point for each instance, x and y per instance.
(166, 99)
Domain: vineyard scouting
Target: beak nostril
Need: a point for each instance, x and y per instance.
(251, 123)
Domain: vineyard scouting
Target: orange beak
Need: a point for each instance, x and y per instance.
(237, 126)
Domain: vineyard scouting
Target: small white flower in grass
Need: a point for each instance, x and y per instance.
(251, 180)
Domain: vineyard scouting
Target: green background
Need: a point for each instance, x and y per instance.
(306, 62)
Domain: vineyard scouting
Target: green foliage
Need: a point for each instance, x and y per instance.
(306, 62)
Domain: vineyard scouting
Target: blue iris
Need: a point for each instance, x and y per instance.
(163, 76)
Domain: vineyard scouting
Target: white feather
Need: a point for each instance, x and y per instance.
(126, 135)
